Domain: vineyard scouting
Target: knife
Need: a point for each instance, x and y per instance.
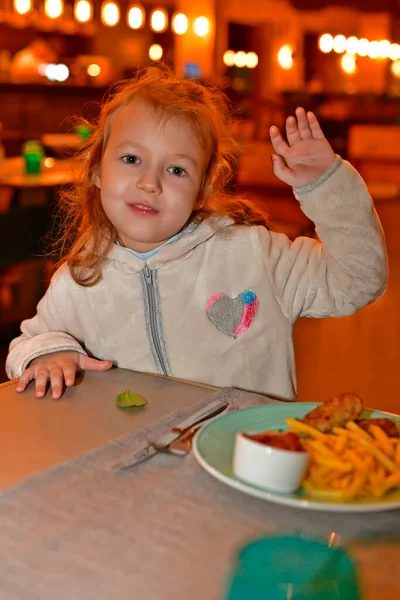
(206, 412)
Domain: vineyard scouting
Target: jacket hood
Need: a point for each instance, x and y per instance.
(195, 234)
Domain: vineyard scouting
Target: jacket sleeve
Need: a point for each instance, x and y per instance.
(347, 267)
(54, 328)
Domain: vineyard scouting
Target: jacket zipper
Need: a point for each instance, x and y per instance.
(153, 321)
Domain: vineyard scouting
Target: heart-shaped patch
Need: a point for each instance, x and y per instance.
(232, 316)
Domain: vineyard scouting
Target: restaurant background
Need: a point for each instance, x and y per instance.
(340, 59)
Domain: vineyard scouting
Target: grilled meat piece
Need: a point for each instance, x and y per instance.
(335, 412)
(388, 425)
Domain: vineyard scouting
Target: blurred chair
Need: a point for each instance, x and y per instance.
(22, 269)
(375, 151)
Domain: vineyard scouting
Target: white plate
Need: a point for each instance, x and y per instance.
(213, 448)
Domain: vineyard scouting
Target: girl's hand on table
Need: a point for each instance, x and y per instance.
(306, 155)
(58, 369)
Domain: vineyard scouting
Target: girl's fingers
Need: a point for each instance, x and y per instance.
(292, 131)
(315, 126)
(278, 143)
(69, 371)
(25, 378)
(56, 382)
(303, 124)
(42, 378)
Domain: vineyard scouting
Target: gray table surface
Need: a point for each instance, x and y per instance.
(38, 433)
(164, 531)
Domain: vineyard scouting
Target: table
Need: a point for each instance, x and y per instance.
(54, 172)
(165, 531)
(62, 142)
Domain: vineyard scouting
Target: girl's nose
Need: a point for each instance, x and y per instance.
(149, 182)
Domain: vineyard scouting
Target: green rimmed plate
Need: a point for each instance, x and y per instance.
(214, 443)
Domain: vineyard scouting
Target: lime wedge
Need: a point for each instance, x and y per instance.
(128, 399)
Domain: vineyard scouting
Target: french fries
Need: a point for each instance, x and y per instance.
(349, 462)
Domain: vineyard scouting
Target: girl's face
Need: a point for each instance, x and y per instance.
(150, 176)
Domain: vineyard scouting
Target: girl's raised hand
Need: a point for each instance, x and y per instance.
(58, 369)
(306, 155)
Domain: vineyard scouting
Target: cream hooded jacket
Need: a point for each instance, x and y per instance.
(217, 305)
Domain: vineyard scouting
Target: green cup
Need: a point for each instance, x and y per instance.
(32, 151)
(293, 567)
(33, 162)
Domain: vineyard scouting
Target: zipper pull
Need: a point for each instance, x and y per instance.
(148, 273)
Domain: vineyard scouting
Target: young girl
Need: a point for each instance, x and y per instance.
(166, 272)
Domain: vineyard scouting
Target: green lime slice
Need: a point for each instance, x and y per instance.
(128, 399)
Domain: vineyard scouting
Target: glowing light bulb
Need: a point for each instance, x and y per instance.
(362, 49)
(285, 57)
(348, 62)
(22, 7)
(159, 20)
(83, 11)
(53, 8)
(326, 43)
(251, 60)
(351, 45)
(94, 70)
(110, 14)
(229, 58)
(180, 24)
(135, 17)
(201, 26)
(240, 59)
(339, 44)
(155, 52)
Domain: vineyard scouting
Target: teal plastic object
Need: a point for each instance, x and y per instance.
(293, 567)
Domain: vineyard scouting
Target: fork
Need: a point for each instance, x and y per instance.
(183, 445)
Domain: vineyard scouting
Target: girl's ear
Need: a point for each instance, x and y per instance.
(97, 182)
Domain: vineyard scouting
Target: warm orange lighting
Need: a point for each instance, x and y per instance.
(135, 17)
(22, 7)
(229, 58)
(180, 24)
(155, 52)
(110, 14)
(159, 20)
(54, 8)
(326, 43)
(83, 11)
(93, 70)
(285, 57)
(201, 26)
(49, 162)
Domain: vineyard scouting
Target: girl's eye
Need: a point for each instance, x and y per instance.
(130, 159)
(178, 171)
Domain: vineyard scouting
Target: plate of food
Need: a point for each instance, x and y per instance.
(331, 456)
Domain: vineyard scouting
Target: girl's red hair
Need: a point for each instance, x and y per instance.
(87, 233)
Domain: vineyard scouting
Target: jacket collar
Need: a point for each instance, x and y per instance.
(195, 235)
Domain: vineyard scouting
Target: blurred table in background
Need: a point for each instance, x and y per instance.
(54, 172)
(62, 144)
